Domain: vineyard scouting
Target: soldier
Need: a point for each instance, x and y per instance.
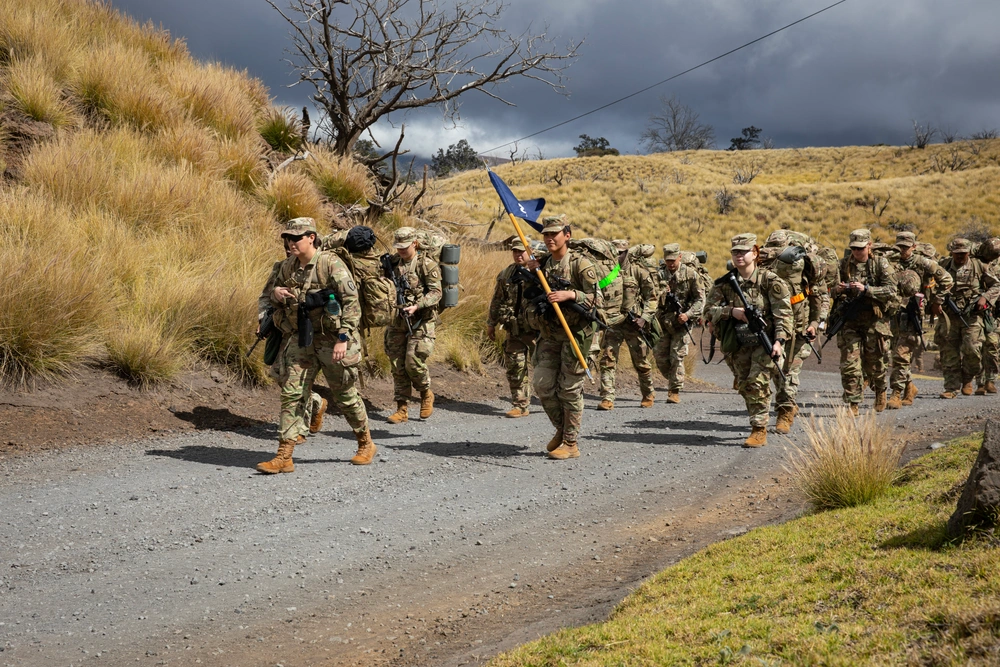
(810, 304)
(638, 308)
(682, 299)
(318, 311)
(558, 380)
(863, 298)
(960, 334)
(913, 271)
(507, 311)
(752, 365)
(409, 338)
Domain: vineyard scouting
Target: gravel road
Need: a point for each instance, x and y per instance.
(461, 540)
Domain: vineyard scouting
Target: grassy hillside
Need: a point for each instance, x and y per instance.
(139, 208)
(826, 192)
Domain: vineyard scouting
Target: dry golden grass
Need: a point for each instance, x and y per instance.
(281, 129)
(341, 180)
(243, 161)
(37, 94)
(293, 195)
(215, 95)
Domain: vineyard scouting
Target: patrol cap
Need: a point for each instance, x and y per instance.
(672, 251)
(404, 237)
(777, 239)
(960, 245)
(299, 226)
(860, 238)
(744, 242)
(517, 245)
(620, 244)
(552, 224)
(906, 240)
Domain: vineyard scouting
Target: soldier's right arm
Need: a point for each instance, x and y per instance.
(943, 282)
(697, 296)
(499, 296)
(716, 307)
(264, 300)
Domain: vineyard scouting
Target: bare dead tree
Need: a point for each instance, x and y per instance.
(676, 128)
(725, 199)
(985, 135)
(922, 135)
(747, 170)
(366, 59)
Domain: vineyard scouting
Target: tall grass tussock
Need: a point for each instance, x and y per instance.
(848, 461)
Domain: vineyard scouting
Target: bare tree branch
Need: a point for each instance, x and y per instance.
(676, 128)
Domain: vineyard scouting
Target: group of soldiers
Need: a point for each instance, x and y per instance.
(766, 315)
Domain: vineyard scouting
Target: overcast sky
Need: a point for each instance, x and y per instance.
(857, 74)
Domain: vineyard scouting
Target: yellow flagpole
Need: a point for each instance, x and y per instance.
(555, 306)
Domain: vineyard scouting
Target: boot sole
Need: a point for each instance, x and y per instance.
(275, 472)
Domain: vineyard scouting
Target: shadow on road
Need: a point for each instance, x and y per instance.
(498, 450)
(698, 427)
(670, 438)
(213, 419)
(216, 456)
(453, 405)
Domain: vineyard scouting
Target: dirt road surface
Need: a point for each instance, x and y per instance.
(461, 541)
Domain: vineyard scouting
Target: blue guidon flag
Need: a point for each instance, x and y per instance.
(526, 210)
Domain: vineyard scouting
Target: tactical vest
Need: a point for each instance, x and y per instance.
(604, 256)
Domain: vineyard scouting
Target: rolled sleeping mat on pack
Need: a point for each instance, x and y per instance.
(451, 254)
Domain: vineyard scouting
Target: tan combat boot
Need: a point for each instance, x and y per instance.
(991, 387)
(909, 394)
(950, 393)
(673, 397)
(316, 423)
(980, 389)
(758, 437)
(647, 401)
(567, 450)
(366, 449)
(606, 404)
(426, 404)
(895, 401)
(783, 424)
(283, 461)
(554, 442)
(516, 412)
(400, 415)
(853, 408)
(967, 389)
(880, 401)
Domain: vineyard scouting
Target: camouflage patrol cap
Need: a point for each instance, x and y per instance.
(299, 226)
(777, 239)
(960, 245)
(552, 224)
(620, 244)
(860, 238)
(517, 245)
(672, 251)
(906, 240)
(744, 242)
(404, 237)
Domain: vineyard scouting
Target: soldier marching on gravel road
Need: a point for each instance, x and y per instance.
(507, 310)
(680, 305)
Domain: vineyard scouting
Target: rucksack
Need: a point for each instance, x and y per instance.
(376, 293)
(446, 255)
(604, 257)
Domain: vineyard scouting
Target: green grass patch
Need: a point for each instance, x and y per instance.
(871, 585)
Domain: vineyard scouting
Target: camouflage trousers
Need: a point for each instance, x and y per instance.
(905, 344)
(299, 367)
(752, 370)
(862, 356)
(558, 384)
(961, 350)
(669, 354)
(638, 350)
(991, 357)
(408, 356)
(785, 391)
(517, 352)
(311, 400)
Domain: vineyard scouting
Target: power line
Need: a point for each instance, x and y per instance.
(679, 74)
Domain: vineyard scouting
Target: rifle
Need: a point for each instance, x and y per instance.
(809, 342)
(755, 319)
(848, 309)
(264, 330)
(953, 307)
(535, 294)
(674, 306)
(642, 330)
(913, 316)
(401, 287)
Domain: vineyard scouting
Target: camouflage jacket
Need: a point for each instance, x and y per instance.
(507, 308)
(324, 271)
(582, 277)
(264, 300)
(877, 274)
(422, 276)
(763, 289)
(972, 281)
(639, 290)
(686, 285)
(933, 278)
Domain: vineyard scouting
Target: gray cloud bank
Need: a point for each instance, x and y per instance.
(857, 74)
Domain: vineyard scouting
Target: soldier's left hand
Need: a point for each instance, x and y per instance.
(532, 265)
(810, 332)
(339, 351)
(409, 310)
(776, 351)
(858, 287)
(982, 303)
(682, 318)
(562, 295)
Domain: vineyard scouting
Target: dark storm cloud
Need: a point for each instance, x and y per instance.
(856, 74)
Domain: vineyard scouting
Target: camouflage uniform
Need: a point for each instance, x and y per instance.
(638, 302)
(991, 342)
(810, 302)
(507, 311)
(752, 365)
(864, 338)
(929, 276)
(558, 378)
(960, 345)
(408, 352)
(686, 285)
